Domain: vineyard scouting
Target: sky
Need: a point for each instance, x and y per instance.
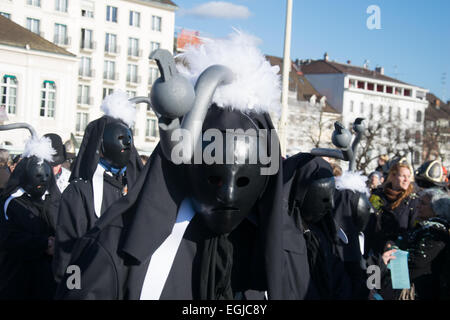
(411, 40)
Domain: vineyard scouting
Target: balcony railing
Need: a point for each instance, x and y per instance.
(134, 54)
(133, 80)
(62, 41)
(108, 76)
(112, 50)
(88, 45)
(86, 101)
(86, 73)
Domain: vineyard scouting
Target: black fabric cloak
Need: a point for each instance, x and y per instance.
(25, 267)
(77, 211)
(345, 203)
(298, 172)
(114, 255)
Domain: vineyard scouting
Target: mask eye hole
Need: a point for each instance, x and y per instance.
(215, 181)
(242, 181)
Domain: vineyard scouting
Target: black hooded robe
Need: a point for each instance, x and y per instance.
(114, 256)
(77, 213)
(309, 281)
(25, 267)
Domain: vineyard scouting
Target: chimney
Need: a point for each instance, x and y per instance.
(325, 56)
(438, 103)
(380, 70)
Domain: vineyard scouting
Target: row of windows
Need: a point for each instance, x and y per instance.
(381, 88)
(87, 10)
(110, 72)
(60, 5)
(47, 107)
(151, 125)
(381, 111)
(134, 18)
(9, 87)
(87, 39)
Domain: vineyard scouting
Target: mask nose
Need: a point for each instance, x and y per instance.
(127, 140)
(226, 193)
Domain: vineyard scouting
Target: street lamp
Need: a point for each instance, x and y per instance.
(285, 77)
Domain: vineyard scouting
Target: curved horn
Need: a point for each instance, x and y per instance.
(359, 127)
(205, 87)
(341, 138)
(326, 152)
(165, 62)
(19, 125)
(141, 100)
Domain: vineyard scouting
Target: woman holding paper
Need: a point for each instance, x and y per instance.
(395, 203)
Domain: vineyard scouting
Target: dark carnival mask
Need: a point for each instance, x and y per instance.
(117, 142)
(224, 194)
(36, 178)
(318, 200)
(361, 210)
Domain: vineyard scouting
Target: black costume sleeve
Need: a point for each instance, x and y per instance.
(71, 225)
(99, 280)
(18, 237)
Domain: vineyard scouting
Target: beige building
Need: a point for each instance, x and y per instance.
(112, 40)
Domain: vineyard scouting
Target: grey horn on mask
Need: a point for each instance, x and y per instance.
(19, 125)
(342, 139)
(173, 97)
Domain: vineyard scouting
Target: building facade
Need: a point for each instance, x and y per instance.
(112, 40)
(310, 118)
(397, 108)
(37, 81)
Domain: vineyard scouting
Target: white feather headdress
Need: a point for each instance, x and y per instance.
(354, 181)
(117, 105)
(256, 85)
(40, 148)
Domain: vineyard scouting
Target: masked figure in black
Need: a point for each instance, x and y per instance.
(352, 213)
(207, 229)
(107, 164)
(310, 187)
(27, 226)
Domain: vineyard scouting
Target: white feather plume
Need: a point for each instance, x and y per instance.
(354, 181)
(40, 148)
(118, 106)
(256, 86)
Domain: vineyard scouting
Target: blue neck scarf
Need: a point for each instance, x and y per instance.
(108, 167)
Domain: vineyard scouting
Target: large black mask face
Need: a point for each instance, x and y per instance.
(224, 194)
(117, 142)
(318, 200)
(36, 178)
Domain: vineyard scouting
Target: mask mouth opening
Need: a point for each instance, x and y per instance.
(125, 149)
(219, 209)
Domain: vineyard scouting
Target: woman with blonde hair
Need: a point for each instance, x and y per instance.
(395, 204)
(396, 209)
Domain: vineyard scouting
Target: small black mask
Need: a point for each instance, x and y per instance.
(36, 178)
(361, 210)
(117, 142)
(318, 200)
(224, 194)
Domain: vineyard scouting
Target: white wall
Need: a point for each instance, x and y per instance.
(31, 68)
(75, 22)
